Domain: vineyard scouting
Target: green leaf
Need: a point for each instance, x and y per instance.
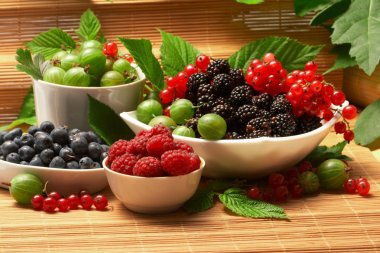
(50, 42)
(106, 123)
(367, 127)
(250, 1)
(102, 39)
(141, 50)
(322, 153)
(302, 7)
(176, 53)
(332, 11)
(89, 26)
(343, 60)
(237, 201)
(218, 184)
(30, 121)
(33, 67)
(202, 200)
(359, 26)
(291, 53)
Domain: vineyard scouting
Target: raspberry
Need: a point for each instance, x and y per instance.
(179, 162)
(158, 144)
(137, 146)
(124, 164)
(178, 145)
(117, 149)
(148, 166)
(157, 129)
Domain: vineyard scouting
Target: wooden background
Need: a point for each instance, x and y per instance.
(216, 27)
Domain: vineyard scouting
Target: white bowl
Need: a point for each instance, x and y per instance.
(249, 158)
(153, 194)
(68, 105)
(63, 181)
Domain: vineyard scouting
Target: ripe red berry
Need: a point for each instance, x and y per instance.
(296, 191)
(37, 202)
(49, 204)
(83, 192)
(340, 127)
(167, 111)
(275, 66)
(311, 65)
(255, 62)
(350, 185)
(363, 187)
(268, 57)
(63, 205)
(316, 87)
(190, 69)
(254, 192)
(110, 49)
(338, 98)
(281, 193)
(74, 201)
(54, 195)
(361, 179)
(202, 62)
(276, 179)
(309, 76)
(171, 82)
(304, 166)
(327, 114)
(167, 96)
(348, 135)
(86, 202)
(100, 202)
(128, 57)
(349, 112)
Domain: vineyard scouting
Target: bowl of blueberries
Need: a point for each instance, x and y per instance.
(68, 160)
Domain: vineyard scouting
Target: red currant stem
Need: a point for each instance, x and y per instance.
(343, 119)
(148, 88)
(45, 187)
(6, 184)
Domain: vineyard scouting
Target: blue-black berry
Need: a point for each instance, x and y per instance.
(26, 153)
(96, 165)
(47, 155)
(2, 134)
(42, 141)
(33, 129)
(79, 145)
(17, 132)
(47, 127)
(57, 148)
(86, 163)
(95, 150)
(36, 161)
(67, 154)
(57, 162)
(9, 147)
(13, 158)
(72, 165)
(60, 135)
(27, 139)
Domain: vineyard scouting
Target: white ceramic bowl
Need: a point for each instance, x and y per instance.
(68, 105)
(249, 158)
(63, 181)
(153, 194)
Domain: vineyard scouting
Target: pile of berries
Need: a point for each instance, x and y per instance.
(52, 147)
(54, 201)
(152, 153)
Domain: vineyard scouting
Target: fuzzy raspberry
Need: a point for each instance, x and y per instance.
(124, 164)
(117, 149)
(159, 144)
(157, 129)
(179, 145)
(179, 162)
(137, 146)
(148, 166)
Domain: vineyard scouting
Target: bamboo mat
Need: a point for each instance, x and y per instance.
(324, 223)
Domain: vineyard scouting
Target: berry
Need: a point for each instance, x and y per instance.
(54, 195)
(67, 154)
(338, 98)
(147, 109)
(283, 124)
(167, 96)
(190, 70)
(159, 129)
(280, 105)
(281, 193)
(100, 202)
(86, 202)
(254, 192)
(110, 49)
(37, 202)
(212, 126)
(241, 95)
(259, 123)
(296, 191)
(137, 146)
(33, 129)
(268, 57)
(94, 150)
(363, 187)
(332, 174)
(202, 62)
(79, 145)
(349, 112)
(311, 65)
(257, 134)
(340, 127)
(47, 155)
(83, 192)
(309, 182)
(74, 201)
(26, 153)
(159, 144)
(47, 127)
(350, 185)
(148, 166)
(17, 132)
(348, 135)
(13, 158)
(9, 147)
(179, 162)
(184, 131)
(124, 164)
(60, 135)
(237, 77)
(56, 148)
(36, 161)
(181, 111)
(245, 113)
(26, 140)
(262, 101)
(49, 205)
(42, 141)
(276, 179)
(63, 205)
(86, 163)
(218, 66)
(223, 84)
(117, 149)
(223, 110)
(178, 145)
(327, 114)
(57, 162)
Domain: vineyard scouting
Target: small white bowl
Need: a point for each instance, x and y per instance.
(248, 158)
(68, 105)
(153, 194)
(63, 181)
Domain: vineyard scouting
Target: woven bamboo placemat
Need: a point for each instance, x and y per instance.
(324, 223)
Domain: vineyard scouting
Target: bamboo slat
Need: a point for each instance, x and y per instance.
(217, 28)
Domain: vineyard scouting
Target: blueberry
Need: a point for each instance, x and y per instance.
(1, 152)
(86, 163)
(105, 148)
(60, 136)
(92, 137)
(33, 129)
(9, 147)
(74, 131)
(57, 148)
(26, 153)
(27, 139)
(17, 140)
(2, 134)
(17, 132)
(13, 158)
(96, 165)
(83, 135)
(43, 141)
(38, 133)
(24, 163)
(36, 161)
(72, 165)
(57, 162)
(103, 156)
(79, 145)
(47, 127)
(94, 150)
(47, 155)
(67, 154)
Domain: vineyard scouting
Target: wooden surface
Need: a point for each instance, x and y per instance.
(329, 222)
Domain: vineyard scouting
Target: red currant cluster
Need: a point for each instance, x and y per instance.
(176, 86)
(342, 127)
(111, 50)
(54, 201)
(360, 185)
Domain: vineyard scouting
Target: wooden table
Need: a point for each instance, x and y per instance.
(327, 222)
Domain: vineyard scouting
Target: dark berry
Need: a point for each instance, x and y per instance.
(57, 162)
(103, 156)
(42, 141)
(218, 66)
(24, 163)
(223, 110)
(26, 153)
(72, 165)
(280, 105)
(263, 101)
(94, 150)
(237, 77)
(283, 124)
(2, 134)
(10, 136)
(17, 140)
(259, 123)
(36, 161)
(205, 89)
(27, 139)
(33, 129)
(60, 135)
(233, 135)
(47, 127)
(196, 80)
(9, 147)
(13, 158)
(74, 131)
(84, 135)
(57, 148)
(96, 165)
(307, 123)
(241, 95)
(223, 84)
(47, 155)
(245, 113)
(79, 145)
(258, 133)
(105, 148)
(67, 154)
(205, 102)
(86, 163)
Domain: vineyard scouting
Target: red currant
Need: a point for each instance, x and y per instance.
(255, 62)
(328, 90)
(327, 114)
(361, 179)
(267, 195)
(74, 201)
(338, 98)
(340, 127)
(128, 57)
(63, 205)
(319, 77)
(110, 49)
(86, 201)
(83, 192)
(350, 185)
(37, 202)
(49, 204)
(249, 77)
(296, 191)
(202, 62)
(348, 135)
(167, 111)
(254, 192)
(281, 193)
(316, 87)
(167, 96)
(296, 89)
(363, 187)
(275, 66)
(311, 65)
(190, 69)
(349, 112)
(304, 166)
(276, 179)
(171, 82)
(309, 75)
(268, 57)
(54, 195)
(100, 202)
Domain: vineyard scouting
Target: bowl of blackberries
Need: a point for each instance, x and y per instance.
(246, 124)
(67, 160)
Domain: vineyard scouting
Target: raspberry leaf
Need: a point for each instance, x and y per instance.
(50, 42)
(34, 67)
(89, 26)
(343, 59)
(322, 153)
(202, 200)
(367, 128)
(237, 201)
(291, 53)
(176, 53)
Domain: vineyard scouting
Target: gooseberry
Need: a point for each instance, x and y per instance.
(164, 120)
(184, 131)
(95, 59)
(69, 61)
(92, 44)
(54, 75)
(332, 174)
(111, 78)
(309, 182)
(148, 109)
(24, 187)
(181, 110)
(212, 126)
(77, 77)
(124, 67)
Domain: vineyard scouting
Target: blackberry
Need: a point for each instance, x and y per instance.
(223, 110)
(196, 80)
(263, 101)
(280, 105)
(218, 66)
(192, 123)
(241, 95)
(223, 84)
(237, 77)
(307, 123)
(264, 114)
(259, 123)
(192, 96)
(258, 133)
(283, 124)
(220, 101)
(233, 135)
(245, 113)
(205, 102)
(205, 89)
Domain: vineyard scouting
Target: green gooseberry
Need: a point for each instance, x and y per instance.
(77, 77)
(164, 120)
(111, 78)
(54, 75)
(94, 59)
(92, 44)
(211, 126)
(109, 64)
(125, 68)
(181, 110)
(184, 131)
(332, 174)
(59, 55)
(24, 186)
(148, 109)
(69, 61)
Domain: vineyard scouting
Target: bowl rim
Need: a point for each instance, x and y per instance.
(108, 170)
(130, 116)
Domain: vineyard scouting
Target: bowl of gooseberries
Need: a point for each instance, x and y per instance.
(96, 69)
(247, 125)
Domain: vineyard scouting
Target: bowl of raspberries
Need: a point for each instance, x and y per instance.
(246, 124)
(153, 173)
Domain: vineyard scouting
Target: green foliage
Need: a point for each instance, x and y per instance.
(343, 59)
(322, 153)
(34, 67)
(89, 26)
(367, 128)
(202, 200)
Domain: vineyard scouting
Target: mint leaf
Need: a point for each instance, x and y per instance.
(322, 153)
(359, 27)
(176, 53)
(89, 26)
(106, 123)
(34, 67)
(141, 50)
(250, 1)
(343, 60)
(334, 10)
(202, 200)
(367, 127)
(302, 7)
(291, 53)
(50, 42)
(237, 201)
